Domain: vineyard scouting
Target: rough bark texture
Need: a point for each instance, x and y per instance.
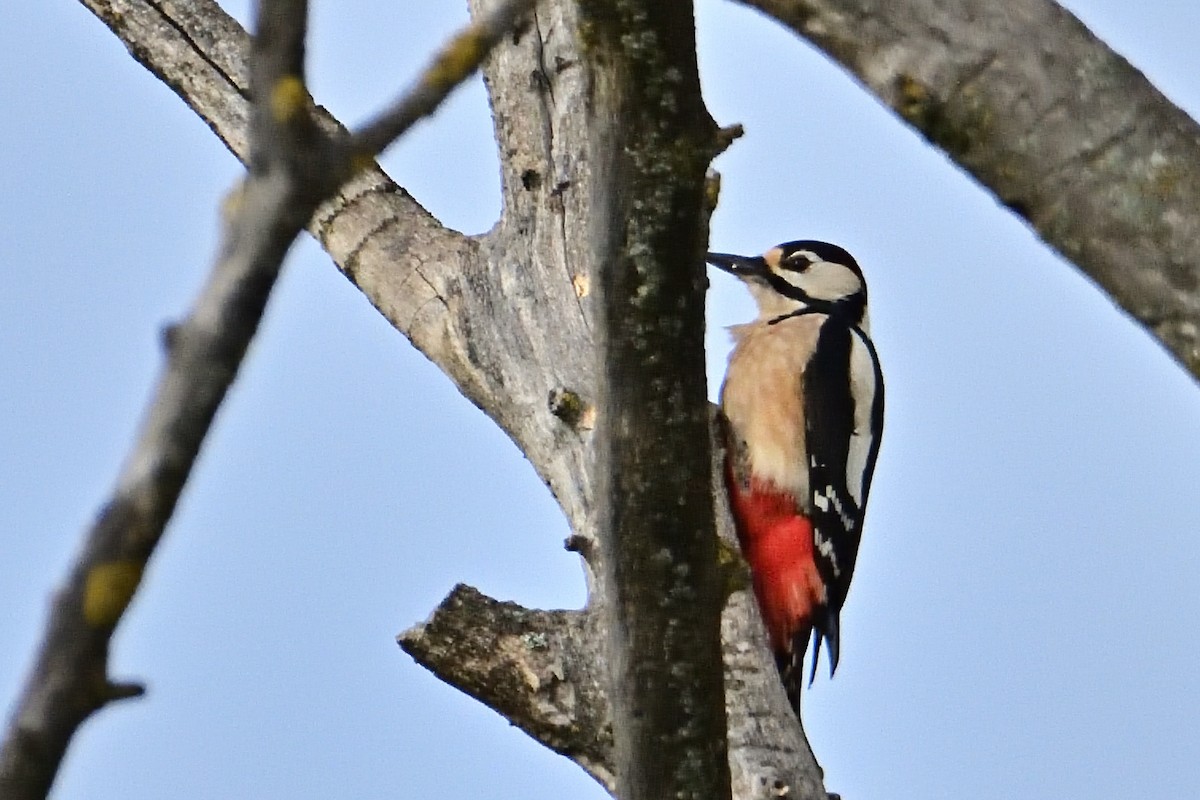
(535, 682)
(507, 315)
(1064, 131)
(544, 668)
(546, 672)
(293, 164)
(69, 680)
(651, 140)
(1061, 129)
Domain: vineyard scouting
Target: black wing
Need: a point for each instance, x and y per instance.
(829, 406)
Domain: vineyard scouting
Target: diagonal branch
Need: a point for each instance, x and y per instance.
(294, 166)
(70, 679)
(1064, 131)
(506, 315)
(546, 673)
(457, 60)
(431, 283)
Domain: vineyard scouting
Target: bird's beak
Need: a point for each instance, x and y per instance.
(741, 266)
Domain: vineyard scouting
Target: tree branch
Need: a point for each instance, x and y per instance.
(546, 673)
(70, 679)
(530, 277)
(431, 283)
(294, 165)
(1063, 130)
(459, 59)
(542, 670)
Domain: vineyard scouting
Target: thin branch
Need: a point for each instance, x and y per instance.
(461, 56)
(430, 282)
(434, 284)
(1066, 133)
(291, 166)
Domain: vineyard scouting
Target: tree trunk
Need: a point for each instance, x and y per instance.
(603, 140)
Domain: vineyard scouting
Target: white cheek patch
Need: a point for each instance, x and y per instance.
(771, 303)
(824, 280)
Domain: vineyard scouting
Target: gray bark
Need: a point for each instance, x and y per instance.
(293, 165)
(546, 672)
(1066, 133)
(650, 141)
(507, 315)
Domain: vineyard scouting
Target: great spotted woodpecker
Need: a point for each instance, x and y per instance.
(802, 405)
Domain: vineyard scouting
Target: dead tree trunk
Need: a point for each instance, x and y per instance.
(603, 140)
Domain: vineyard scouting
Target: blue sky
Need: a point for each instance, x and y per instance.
(1023, 620)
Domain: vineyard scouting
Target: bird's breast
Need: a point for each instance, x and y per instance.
(763, 401)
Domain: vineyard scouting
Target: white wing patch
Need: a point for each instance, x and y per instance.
(825, 548)
(827, 498)
(862, 389)
(824, 500)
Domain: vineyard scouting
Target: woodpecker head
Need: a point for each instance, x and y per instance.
(804, 275)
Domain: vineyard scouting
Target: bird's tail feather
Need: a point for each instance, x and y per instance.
(791, 666)
(791, 661)
(827, 627)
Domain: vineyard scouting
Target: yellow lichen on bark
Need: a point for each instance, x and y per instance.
(361, 162)
(735, 572)
(231, 205)
(288, 98)
(108, 589)
(457, 60)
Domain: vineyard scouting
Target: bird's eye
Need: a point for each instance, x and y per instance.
(798, 261)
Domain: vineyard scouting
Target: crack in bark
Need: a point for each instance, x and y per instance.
(494, 370)
(243, 89)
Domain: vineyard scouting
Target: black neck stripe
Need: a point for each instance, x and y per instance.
(849, 312)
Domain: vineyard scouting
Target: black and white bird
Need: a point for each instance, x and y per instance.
(802, 404)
